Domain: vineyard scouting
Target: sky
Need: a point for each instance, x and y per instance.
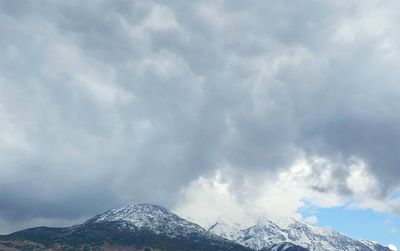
(213, 109)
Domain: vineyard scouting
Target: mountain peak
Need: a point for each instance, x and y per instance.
(149, 217)
(225, 229)
(133, 211)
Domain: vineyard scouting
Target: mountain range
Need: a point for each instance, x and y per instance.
(266, 233)
(149, 227)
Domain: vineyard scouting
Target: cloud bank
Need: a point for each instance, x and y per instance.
(112, 102)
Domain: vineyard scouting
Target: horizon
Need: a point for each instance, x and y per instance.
(211, 109)
(243, 223)
(230, 222)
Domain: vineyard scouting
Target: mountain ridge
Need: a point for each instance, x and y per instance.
(135, 227)
(152, 227)
(266, 233)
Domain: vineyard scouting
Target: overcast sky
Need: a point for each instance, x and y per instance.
(210, 108)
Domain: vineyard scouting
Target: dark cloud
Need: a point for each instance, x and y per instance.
(112, 102)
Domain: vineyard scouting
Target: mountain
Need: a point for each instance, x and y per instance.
(137, 227)
(373, 245)
(149, 227)
(285, 246)
(265, 234)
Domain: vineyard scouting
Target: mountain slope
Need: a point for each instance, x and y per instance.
(266, 233)
(137, 227)
(285, 246)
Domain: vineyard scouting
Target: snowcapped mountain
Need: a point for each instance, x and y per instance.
(153, 218)
(151, 227)
(266, 233)
(135, 227)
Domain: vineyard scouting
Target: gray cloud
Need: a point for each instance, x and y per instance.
(112, 102)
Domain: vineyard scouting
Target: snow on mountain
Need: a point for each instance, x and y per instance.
(135, 227)
(229, 231)
(373, 245)
(266, 233)
(147, 225)
(263, 234)
(152, 218)
(285, 246)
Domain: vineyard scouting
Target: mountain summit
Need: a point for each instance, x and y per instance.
(152, 218)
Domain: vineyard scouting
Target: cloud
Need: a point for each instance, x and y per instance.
(113, 102)
(279, 195)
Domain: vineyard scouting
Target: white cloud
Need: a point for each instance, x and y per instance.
(279, 196)
(275, 197)
(208, 199)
